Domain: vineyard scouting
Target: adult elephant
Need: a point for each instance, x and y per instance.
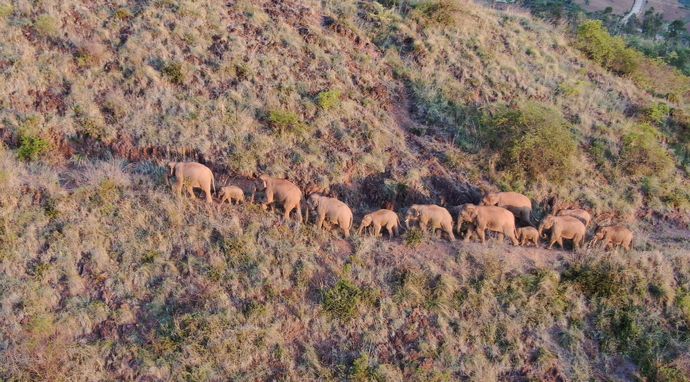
(579, 213)
(332, 211)
(430, 215)
(192, 175)
(615, 236)
(563, 227)
(492, 218)
(283, 192)
(518, 204)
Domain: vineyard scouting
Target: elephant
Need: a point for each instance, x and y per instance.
(518, 204)
(332, 211)
(527, 235)
(381, 219)
(579, 213)
(492, 218)
(248, 185)
(231, 194)
(614, 236)
(564, 227)
(283, 192)
(192, 175)
(431, 215)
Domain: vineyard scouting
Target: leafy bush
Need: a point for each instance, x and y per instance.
(174, 72)
(328, 99)
(285, 121)
(608, 51)
(342, 300)
(534, 142)
(643, 155)
(658, 113)
(414, 237)
(32, 147)
(46, 25)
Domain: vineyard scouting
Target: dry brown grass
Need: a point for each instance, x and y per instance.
(104, 275)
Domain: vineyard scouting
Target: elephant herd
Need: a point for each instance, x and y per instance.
(508, 214)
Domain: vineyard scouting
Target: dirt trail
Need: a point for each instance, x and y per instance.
(637, 8)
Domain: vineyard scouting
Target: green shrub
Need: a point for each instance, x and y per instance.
(174, 72)
(440, 12)
(414, 237)
(643, 155)
(47, 25)
(534, 143)
(606, 50)
(6, 10)
(658, 113)
(328, 99)
(342, 300)
(284, 121)
(32, 147)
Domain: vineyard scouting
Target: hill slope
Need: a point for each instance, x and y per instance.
(105, 276)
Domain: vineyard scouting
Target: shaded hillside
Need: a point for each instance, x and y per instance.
(104, 275)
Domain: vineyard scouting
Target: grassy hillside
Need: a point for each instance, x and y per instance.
(103, 275)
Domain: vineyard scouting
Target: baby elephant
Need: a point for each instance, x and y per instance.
(381, 219)
(332, 211)
(615, 236)
(231, 194)
(528, 235)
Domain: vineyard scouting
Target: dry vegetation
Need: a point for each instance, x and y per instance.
(104, 276)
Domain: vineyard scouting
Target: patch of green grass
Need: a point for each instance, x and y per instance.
(329, 99)
(173, 71)
(47, 25)
(6, 10)
(32, 147)
(342, 300)
(441, 12)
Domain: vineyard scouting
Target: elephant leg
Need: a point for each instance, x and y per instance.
(560, 242)
(450, 233)
(377, 230)
(512, 238)
(319, 222)
(190, 191)
(299, 213)
(553, 241)
(209, 197)
(391, 231)
(501, 236)
(482, 235)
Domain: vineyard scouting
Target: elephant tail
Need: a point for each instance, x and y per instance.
(213, 184)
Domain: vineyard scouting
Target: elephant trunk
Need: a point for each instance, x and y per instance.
(407, 223)
(359, 231)
(541, 230)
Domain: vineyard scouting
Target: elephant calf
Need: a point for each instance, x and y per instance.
(332, 211)
(492, 218)
(433, 216)
(231, 194)
(528, 235)
(192, 175)
(564, 227)
(614, 236)
(381, 219)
